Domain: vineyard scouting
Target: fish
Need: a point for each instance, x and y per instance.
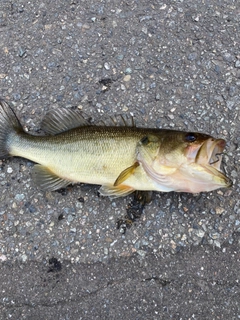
(120, 158)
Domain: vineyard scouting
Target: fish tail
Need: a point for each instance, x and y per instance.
(9, 125)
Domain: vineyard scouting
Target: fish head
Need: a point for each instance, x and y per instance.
(184, 162)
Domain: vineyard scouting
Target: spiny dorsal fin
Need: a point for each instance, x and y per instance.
(61, 120)
(47, 180)
(117, 120)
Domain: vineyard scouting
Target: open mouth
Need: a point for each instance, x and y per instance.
(215, 152)
(210, 155)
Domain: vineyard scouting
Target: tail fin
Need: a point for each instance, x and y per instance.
(8, 124)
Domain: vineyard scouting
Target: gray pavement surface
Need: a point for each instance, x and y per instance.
(172, 64)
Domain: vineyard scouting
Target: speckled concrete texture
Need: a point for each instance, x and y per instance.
(172, 64)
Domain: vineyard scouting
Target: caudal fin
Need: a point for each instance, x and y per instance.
(8, 124)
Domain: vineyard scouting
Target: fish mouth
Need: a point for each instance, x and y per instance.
(210, 156)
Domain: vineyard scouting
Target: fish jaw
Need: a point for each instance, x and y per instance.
(203, 173)
(208, 165)
(191, 178)
(197, 178)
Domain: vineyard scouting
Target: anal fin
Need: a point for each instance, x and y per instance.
(115, 192)
(47, 180)
(125, 174)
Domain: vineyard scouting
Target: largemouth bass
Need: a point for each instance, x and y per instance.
(121, 159)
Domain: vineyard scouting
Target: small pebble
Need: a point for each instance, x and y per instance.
(3, 257)
(152, 85)
(214, 235)
(120, 57)
(24, 258)
(128, 71)
(127, 78)
(70, 218)
(234, 174)
(200, 233)
(141, 253)
(237, 64)
(219, 210)
(106, 66)
(217, 243)
(19, 197)
(228, 57)
(184, 237)
(192, 56)
(21, 52)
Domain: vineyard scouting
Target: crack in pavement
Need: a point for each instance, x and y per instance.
(120, 282)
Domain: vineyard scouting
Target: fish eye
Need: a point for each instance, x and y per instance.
(145, 140)
(190, 137)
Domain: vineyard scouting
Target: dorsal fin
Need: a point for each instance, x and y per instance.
(57, 121)
(116, 120)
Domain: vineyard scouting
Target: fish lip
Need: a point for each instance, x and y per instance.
(209, 156)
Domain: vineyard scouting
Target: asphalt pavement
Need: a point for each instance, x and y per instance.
(172, 64)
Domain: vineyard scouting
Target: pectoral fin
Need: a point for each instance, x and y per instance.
(47, 180)
(115, 192)
(125, 174)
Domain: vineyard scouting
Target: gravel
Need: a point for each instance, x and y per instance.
(172, 65)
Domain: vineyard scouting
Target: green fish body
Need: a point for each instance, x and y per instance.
(121, 159)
